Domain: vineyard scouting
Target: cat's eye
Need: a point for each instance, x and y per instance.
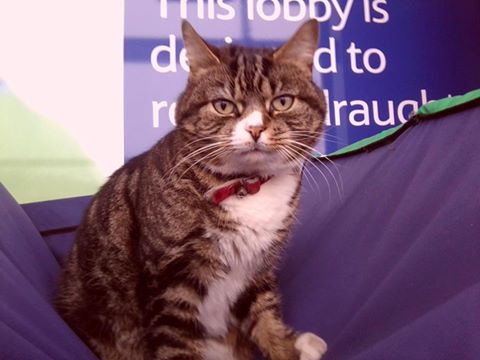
(224, 107)
(282, 103)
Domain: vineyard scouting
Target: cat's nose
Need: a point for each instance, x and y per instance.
(255, 131)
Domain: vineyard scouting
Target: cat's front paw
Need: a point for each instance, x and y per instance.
(310, 346)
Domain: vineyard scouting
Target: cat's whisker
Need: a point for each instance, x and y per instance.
(205, 158)
(307, 159)
(290, 158)
(312, 132)
(307, 153)
(306, 131)
(294, 216)
(193, 154)
(308, 137)
(314, 180)
(210, 152)
(292, 153)
(326, 129)
(226, 152)
(302, 138)
(317, 134)
(203, 149)
(308, 149)
(205, 138)
(308, 175)
(323, 156)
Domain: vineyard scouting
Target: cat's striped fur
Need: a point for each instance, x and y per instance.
(158, 271)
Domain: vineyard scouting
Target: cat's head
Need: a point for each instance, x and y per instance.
(248, 110)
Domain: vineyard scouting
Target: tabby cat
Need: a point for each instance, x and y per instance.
(175, 258)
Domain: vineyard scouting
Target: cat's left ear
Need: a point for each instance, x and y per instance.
(200, 55)
(301, 46)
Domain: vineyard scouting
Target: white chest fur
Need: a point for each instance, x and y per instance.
(259, 216)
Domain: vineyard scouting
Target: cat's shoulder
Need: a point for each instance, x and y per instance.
(150, 158)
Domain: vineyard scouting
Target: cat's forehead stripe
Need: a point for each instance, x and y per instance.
(240, 84)
(250, 75)
(261, 80)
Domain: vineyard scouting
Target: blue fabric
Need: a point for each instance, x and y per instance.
(30, 329)
(392, 271)
(384, 261)
(56, 220)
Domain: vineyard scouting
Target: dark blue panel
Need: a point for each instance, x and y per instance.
(430, 47)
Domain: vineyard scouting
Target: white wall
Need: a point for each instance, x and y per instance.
(64, 59)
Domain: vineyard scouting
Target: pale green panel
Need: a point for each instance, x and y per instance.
(38, 159)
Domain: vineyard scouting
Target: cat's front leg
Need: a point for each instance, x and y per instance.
(172, 330)
(172, 337)
(276, 340)
(266, 329)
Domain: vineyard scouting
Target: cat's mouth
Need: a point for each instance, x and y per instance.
(251, 161)
(256, 154)
(256, 148)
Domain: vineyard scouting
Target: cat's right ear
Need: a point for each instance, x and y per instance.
(301, 47)
(200, 55)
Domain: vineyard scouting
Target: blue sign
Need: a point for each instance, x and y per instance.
(377, 60)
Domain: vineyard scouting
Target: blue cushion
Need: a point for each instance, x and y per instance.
(30, 329)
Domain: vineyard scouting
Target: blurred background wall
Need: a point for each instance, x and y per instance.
(61, 95)
(87, 84)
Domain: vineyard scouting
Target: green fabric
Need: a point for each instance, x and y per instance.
(367, 141)
(427, 109)
(38, 159)
(448, 103)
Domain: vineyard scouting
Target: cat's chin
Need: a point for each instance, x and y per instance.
(257, 163)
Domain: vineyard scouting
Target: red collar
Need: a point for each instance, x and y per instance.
(240, 187)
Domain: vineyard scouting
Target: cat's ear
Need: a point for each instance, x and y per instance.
(301, 47)
(200, 55)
